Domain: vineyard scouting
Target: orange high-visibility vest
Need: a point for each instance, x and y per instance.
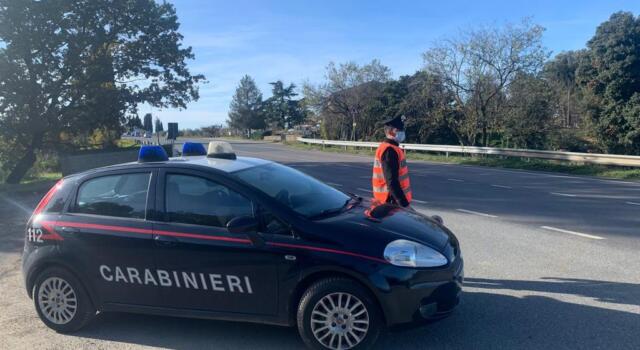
(380, 187)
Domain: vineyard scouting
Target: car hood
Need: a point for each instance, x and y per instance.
(361, 224)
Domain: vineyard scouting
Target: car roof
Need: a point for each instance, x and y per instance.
(219, 164)
(225, 165)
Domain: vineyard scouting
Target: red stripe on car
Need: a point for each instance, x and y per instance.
(51, 234)
(326, 250)
(150, 232)
(209, 237)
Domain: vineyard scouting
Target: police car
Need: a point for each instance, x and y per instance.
(212, 235)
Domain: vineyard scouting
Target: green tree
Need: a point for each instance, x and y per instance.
(428, 108)
(245, 109)
(134, 122)
(422, 98)
(529, 112)
(346, 96)
(73, 66)
(158, 125)
(148, 122)
(609, 74)
(281, 109)
(561, 73)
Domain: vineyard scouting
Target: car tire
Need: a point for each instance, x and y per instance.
(333, 312)
(61, 301)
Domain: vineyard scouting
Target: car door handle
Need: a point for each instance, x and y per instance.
(165, 240)
(67, 229)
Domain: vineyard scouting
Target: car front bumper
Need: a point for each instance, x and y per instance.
(417, 295)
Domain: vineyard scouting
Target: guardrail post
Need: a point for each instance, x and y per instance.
(446, 154)
(323, 145)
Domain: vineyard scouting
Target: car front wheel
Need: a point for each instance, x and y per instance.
(61, 301)
(338, 314)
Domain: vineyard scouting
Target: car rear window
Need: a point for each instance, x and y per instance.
(122, 195)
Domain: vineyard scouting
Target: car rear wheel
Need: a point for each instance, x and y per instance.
(61, 301)
(338, 314)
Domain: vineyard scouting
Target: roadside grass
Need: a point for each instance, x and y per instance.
(126, 143)
(42, 177)
(614, 172)
(33, 183)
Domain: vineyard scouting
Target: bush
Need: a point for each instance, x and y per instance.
(569, 140)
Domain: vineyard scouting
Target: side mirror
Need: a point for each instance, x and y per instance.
(242, 224)
(246, 225)
(438, 219)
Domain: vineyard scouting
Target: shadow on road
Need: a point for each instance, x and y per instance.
(490, 321)
(184, 333)
(610, 292)
(483, 320)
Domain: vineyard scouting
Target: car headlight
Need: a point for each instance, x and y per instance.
(402, 252)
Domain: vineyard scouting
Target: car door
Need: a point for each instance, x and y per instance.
(110, 238)
(209, 268)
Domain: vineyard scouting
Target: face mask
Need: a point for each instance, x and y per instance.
(399, 136)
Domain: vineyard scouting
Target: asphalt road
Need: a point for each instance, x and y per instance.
(552, 261)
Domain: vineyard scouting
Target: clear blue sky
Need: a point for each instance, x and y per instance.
(294, 40)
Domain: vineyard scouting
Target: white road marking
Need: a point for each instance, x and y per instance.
(456, 180)
(476, 213)
(364, 190)
(419, 201)
(585, 235)
(633, 203)
(563, 194)
(502, 186)
(333, 184)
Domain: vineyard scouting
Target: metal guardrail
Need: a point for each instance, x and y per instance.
(589, 158)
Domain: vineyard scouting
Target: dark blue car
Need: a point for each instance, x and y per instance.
(234, 238)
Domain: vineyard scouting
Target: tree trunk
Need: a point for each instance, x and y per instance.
(569, 108)
(485, 137)
(27, 159)
(21, 168)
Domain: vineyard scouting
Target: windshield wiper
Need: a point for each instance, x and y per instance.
(333, 211)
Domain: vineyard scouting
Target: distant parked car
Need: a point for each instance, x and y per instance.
(147, 135)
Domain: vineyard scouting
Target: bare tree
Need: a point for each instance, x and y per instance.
(478, 65)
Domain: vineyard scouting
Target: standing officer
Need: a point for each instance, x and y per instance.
(390, 173)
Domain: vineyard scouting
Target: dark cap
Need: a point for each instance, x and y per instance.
(396, 122)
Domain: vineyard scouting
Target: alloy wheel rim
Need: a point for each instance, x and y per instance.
(339, 321)
(57, 300)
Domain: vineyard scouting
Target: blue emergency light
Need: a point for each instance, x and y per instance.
(193, 149)
(153, 153)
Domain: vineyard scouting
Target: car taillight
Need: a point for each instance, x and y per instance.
(47, 197)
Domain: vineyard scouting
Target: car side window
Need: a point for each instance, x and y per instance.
(196, 200)
(122, 195)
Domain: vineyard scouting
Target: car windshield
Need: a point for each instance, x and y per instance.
(302, 193)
